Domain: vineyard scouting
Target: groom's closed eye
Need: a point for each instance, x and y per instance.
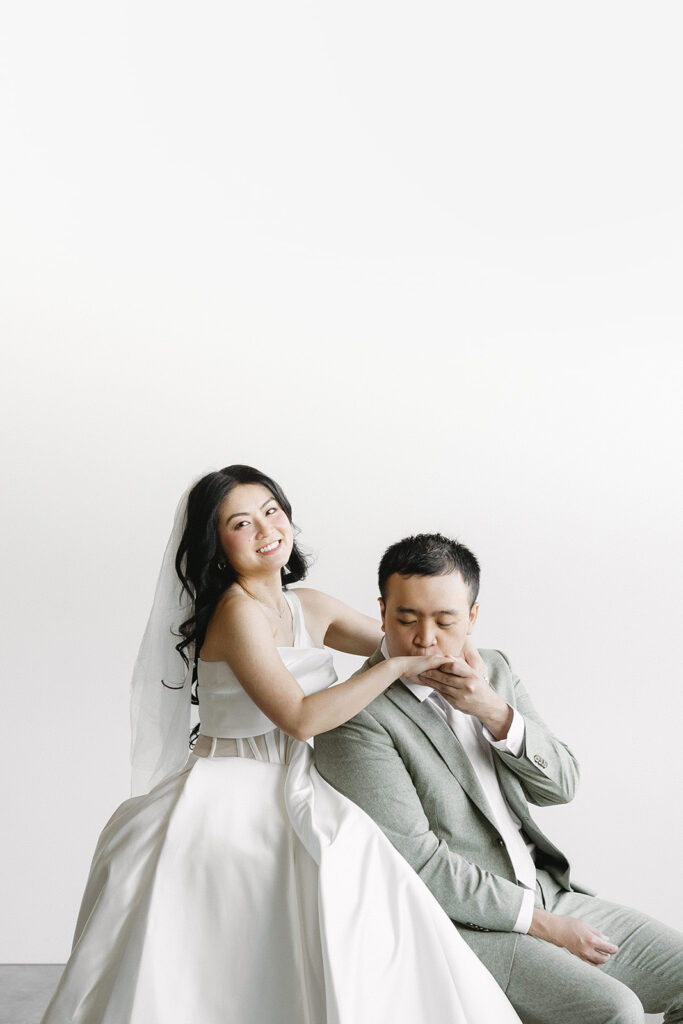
(412, 622)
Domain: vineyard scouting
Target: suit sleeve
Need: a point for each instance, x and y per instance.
(360, 760)
(547, 769)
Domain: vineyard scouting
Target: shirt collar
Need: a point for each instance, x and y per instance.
(417, 689)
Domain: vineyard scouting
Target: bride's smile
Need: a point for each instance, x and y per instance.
(269, 548)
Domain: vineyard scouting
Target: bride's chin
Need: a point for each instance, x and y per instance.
(271, 566)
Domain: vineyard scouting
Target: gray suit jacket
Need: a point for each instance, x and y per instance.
(402, 764)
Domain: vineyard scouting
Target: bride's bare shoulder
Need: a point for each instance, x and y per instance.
(234, 614)
(310, 598)
(315, 603)
(233, 604)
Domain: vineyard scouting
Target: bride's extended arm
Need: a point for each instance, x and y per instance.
(252, 655)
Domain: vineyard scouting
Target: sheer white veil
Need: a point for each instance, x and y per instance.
(160, 687)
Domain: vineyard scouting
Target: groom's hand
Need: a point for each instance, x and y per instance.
(571, 933)
(467, 689)
(473, 657)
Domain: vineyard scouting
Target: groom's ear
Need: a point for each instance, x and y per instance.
(383, 611)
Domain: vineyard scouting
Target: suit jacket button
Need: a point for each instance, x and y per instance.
(501, 842)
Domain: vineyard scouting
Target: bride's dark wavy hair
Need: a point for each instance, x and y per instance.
(199, 553)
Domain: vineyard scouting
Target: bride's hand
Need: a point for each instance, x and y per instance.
(412, 666)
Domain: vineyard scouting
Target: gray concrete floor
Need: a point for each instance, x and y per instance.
(26, 989)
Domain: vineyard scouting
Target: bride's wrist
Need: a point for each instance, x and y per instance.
(400, 665)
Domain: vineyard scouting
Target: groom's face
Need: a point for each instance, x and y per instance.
(427, 614)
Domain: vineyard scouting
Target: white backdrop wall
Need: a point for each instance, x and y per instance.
(422, 264)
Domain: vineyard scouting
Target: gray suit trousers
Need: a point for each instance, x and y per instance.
(646, 975)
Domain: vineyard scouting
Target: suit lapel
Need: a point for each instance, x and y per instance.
(445, 742)
(511, 789)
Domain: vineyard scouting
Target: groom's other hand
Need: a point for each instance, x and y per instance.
(570, 933)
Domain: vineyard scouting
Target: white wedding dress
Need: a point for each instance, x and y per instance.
(245, 890)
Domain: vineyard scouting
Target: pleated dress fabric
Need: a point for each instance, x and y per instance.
(245, 890)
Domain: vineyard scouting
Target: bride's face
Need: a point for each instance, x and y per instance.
(254, 532)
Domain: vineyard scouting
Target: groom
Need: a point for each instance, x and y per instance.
(448, 767)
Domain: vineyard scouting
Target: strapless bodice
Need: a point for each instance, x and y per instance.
(226, 710)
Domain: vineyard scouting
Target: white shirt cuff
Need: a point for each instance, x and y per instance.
(513, 743)
(526, 912)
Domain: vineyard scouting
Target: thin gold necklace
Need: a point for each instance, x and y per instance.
(263, 604)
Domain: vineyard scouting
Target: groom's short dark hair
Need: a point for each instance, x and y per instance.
(429, 554)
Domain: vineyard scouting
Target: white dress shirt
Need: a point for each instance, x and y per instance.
(476, 741)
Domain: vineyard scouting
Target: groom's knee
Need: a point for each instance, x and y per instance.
(611, 1003)
(605, 1003)
(549, 985)
(674, 1011)
(626, 1007)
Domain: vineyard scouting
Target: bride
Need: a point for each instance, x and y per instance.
(242, 889)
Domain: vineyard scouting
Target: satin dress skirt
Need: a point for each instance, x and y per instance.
(248, 891)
